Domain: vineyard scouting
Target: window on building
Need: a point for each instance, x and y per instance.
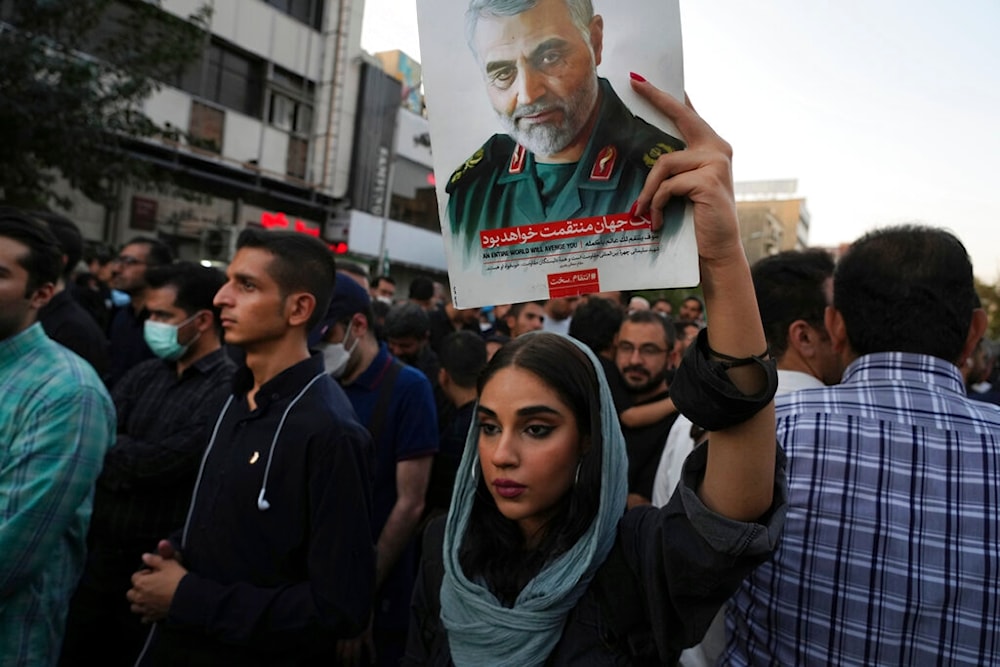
(290, 101)
(309, 12)
(228, 78)
(298, 154)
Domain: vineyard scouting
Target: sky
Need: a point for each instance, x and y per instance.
(885, 111)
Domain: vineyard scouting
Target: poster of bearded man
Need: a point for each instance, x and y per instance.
(541, 147)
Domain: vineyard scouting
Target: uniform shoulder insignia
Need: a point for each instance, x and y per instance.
(469, 165)
(656, 150)
(497, 148)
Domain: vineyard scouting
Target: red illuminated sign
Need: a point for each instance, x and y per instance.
(280, 221)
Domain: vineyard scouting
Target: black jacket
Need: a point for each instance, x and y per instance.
(276, 584)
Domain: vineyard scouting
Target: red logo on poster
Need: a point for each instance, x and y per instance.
(573, 283)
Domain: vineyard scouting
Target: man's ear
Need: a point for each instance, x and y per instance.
(597, 37)
(360, 323)
(802, 337)
(299, 308)
(42, 295)
(204, 320)
(977, 327)
(834, 323)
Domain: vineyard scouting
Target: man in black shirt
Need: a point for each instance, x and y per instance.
(125, 333)
(278, 559)
(166, 409)
(644, 355)
(65, 321)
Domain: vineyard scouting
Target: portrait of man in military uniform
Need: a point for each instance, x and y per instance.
(570, 147)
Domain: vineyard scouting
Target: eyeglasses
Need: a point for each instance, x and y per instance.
(128, 260)
(647, 351)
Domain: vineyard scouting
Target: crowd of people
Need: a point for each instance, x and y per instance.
(290, 463)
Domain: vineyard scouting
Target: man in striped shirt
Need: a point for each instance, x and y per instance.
(890, 553)
(56, 421)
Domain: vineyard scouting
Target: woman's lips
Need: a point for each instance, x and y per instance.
(506, 488)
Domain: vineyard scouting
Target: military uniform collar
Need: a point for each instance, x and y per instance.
(600, 165)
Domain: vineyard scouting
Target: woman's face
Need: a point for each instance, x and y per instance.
(529, 448)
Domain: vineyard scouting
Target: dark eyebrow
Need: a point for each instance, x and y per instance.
(529, 411)
(496, 65)
(551, 43)
(244, 276)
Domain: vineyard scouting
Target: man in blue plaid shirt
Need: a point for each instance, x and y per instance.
(891, 548)
(56, 421)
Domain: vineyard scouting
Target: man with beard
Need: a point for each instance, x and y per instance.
(571, 147)
(644, 354)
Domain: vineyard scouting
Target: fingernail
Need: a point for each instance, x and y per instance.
(631, 211)
(637, 77)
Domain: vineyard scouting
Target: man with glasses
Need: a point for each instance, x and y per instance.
(128, 274)
(644, 356)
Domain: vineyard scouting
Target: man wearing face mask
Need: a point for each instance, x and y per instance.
(166, 408)
(395, 402)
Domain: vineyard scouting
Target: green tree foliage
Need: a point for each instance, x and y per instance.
(73, 78)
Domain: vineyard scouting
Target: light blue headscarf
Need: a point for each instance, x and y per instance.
(481, 631)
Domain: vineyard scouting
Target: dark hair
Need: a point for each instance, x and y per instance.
(692, 297)
(516, 308)
(662, 300)
(421, 289)
(789, 287)
(97, 251)
(67, 236)
(43, 262)
(463, 355)
(407, 320)
(196, 285)
(595, 323)
(377, 279)
(301, 263)
(493, 546)
(906, 289)
(681, 325)
(652, 317)
(158, 252)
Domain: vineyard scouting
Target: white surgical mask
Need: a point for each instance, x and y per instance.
(162, 338)
(336, 356)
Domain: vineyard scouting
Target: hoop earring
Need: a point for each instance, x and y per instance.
(576, 479)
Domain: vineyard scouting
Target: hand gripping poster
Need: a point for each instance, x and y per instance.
(541, 147)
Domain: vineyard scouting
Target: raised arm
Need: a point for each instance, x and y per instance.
(739, 478)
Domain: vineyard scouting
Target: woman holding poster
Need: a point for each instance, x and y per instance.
(538, 561)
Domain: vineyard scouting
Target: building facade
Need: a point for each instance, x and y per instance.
(773, 217)
(275, 128)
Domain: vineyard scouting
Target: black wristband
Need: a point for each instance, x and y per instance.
(703, 392)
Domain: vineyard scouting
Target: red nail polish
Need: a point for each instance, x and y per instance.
(636, 77)
(631, 211)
